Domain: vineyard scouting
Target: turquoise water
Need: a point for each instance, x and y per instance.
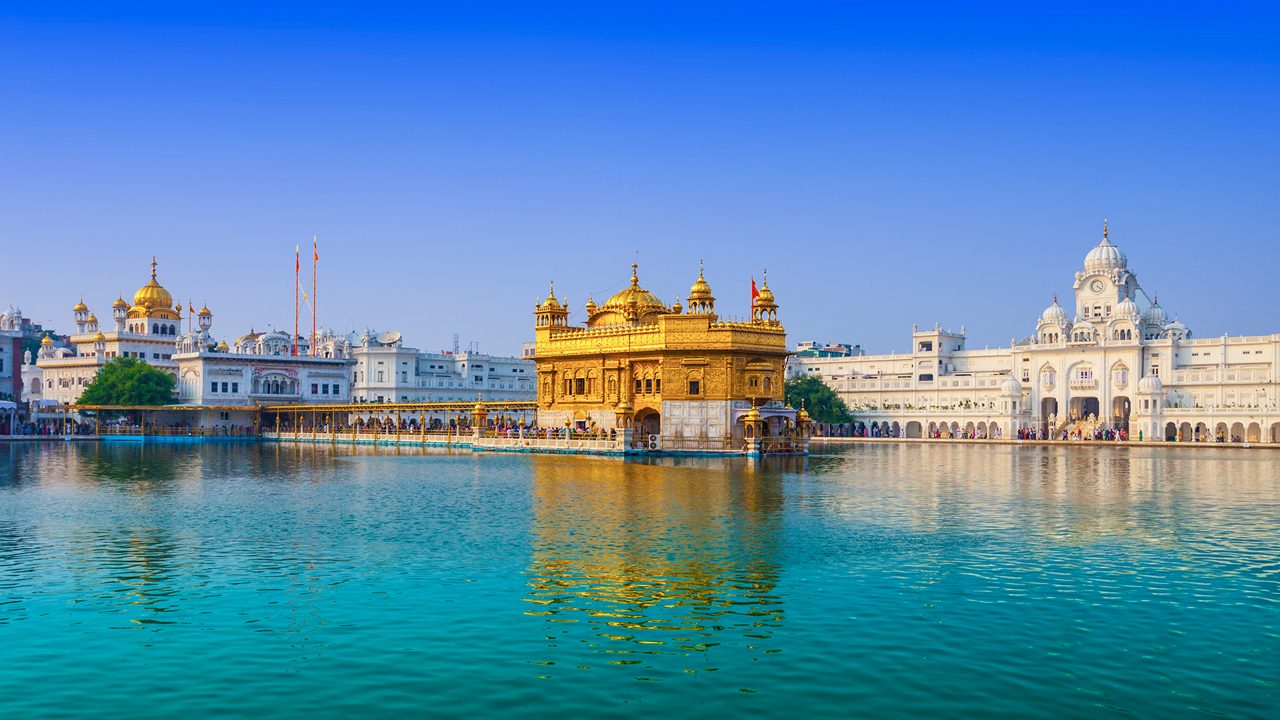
(874, 580)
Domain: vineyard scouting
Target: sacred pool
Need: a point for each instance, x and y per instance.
(895, 580)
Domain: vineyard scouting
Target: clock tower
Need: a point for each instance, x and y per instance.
(1104, 282)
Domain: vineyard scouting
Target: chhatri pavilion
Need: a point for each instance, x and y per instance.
(672, 377)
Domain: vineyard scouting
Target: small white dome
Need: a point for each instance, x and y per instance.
(1177, 330)
(1150, 385)
(1011, 387)
(1155, 315)
(1054, 314)
(1127, 310)
(1105, 257)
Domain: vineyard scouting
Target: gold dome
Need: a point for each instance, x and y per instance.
(153, 296)
(46, 340)
(766, 295)
(701, 289)
(119, 303)
(551, 303)
(222, 346)
(92, 319)
(80, 307)
(635, 294)
(99, 337)
(204, 312)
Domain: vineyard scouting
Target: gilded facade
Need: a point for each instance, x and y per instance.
(678, 376)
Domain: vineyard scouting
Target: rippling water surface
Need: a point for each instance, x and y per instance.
(875, 580)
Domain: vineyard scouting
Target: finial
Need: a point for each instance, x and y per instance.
(553, 289)
(1055, 298)
(1104, 228)
(699, 267)
(1156, 300)
(153, 267)
(635, 277)
(765, 280)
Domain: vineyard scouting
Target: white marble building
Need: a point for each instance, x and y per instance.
(386, 371)
(1117, 360)
(11, 380)
(146, 329)
(260, 367)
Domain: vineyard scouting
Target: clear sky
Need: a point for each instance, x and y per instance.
(889, 163)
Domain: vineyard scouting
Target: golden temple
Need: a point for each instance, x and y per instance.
(672, 377)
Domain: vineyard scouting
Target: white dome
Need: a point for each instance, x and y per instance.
(1150, 385)
(1177, 330)
(1011, 387)
(1127, 310)
(1054, 314)
(1105, 257)
(1155, 315)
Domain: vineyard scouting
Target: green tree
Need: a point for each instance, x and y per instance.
(129, 381)
(823, 404)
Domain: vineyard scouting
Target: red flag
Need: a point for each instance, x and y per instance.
(297, 259)
(754, 292)
(315, 250)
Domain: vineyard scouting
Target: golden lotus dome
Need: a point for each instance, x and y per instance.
(99, 337)
(152, 296)
(633, 293)
(632, 304)
(80, 307)
(204, 312)
(222, 346)
(92, 319)
(46, 340)
(119, 304)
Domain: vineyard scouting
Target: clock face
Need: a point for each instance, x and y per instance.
(1096, 285)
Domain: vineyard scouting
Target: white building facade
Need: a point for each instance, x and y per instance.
(1118, 363)
(386, 371)
(146, 329)
(11, 381)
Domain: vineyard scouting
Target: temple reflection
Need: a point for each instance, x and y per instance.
(633, 559)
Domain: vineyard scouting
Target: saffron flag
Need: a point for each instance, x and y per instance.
(297, 259)
(315, 251)
(754, 292)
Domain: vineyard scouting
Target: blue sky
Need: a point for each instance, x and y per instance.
(888, 163)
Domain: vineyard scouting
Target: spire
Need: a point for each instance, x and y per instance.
(1104, 228)
(1055, 298)
(699, 267)
(635, 276)
(153, 267)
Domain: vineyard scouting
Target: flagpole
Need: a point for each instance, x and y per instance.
(297, 269)
(315, 261)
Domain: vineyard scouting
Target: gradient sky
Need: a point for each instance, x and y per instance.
(889, 163)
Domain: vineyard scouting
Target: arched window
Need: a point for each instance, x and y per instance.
(155, 328)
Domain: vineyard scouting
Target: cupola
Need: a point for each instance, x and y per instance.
(764, 308)
(1105, 257)
(701, 301)
(550, 313)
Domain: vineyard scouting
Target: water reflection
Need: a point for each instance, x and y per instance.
(632, 561)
